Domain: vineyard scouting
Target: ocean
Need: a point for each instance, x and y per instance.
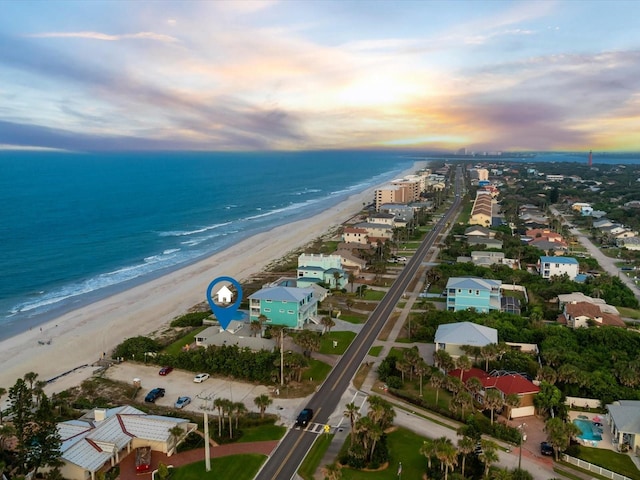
(76, 227)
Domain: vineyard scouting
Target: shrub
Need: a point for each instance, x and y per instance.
(193, 319)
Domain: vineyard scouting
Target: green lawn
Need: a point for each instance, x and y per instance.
(375, 351)
(374, 294)
(616, 462)
(176, 347)
(317, 370)
(629, 312)
(404, 446)
(262, 433)
(344, 339)
(233, 467)
(353, 317)
(312, 461)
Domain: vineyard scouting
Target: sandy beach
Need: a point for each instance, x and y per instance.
(79, 337)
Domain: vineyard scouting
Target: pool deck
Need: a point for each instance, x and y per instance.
(606, 441)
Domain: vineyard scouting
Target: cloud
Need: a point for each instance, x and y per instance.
(106, 37)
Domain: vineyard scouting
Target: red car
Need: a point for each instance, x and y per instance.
(165, 371)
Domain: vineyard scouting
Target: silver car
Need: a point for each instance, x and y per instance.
(182, 402)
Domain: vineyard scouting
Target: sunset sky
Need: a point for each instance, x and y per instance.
(298, 75)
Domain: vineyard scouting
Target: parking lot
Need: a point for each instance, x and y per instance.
(180, 383)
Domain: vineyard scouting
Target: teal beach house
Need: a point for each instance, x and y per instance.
(290, 307)
(465, 293)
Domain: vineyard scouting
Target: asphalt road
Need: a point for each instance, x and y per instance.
(284, 462)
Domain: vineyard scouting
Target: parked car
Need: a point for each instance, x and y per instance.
(165, 371)
(154, 394)
(201, 377)
(304, 418)
(143, 459)
(546, 448)
(182, 402)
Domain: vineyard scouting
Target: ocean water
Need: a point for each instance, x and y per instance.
(77, 227)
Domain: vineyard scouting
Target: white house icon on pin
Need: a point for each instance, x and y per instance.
(224, 295)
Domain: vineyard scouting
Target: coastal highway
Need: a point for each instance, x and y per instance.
(290, 452)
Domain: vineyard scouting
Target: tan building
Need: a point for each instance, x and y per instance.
(355, 235)
(482, 211)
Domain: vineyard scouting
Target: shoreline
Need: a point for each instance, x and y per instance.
(80, 336)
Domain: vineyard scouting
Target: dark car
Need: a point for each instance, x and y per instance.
(154, 394)
(165, 371)
(546, 448)
(304, 418)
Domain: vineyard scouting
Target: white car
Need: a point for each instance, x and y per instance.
(201, 377)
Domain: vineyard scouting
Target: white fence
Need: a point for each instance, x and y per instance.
(582, 402)
(593, 468)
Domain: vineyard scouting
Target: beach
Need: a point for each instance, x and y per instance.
(81, 336)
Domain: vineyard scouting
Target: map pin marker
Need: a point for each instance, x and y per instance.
(224, 314)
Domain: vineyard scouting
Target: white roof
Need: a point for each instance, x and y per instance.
(466, 333)
(626, 415)
(89, 443)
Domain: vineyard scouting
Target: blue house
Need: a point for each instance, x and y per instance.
(288, 306)
(464, 293)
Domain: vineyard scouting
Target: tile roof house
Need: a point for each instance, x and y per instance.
(507, 384)
(464, 293)
(452, 336)
(580, 314)
(106, 435)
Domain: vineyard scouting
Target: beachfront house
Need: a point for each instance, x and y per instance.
(291, 307)
(465, 293)
(557, 266)
(624, 421)
(319, 268)
(453, 336)
(101, 438)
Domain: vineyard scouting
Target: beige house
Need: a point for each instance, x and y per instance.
(355, 235)
(105, 436)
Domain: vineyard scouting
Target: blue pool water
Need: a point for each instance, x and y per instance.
(589, 430)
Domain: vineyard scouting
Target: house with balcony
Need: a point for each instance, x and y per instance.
(557, 266)
(465, 293)
(291, 307)
(319, 268)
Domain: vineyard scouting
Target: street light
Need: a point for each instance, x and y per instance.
(521, 427)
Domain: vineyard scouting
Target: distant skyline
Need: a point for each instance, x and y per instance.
(309, 75)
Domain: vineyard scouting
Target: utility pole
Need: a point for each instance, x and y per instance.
(207, 446)
(521, 428)
(282, 357)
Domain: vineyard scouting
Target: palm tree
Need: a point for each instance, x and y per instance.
(421, 370)
(228, 408)
(352, 280)
(559, 434)
(327, 322)
(412, 357)
(501, 474)
(488, 352)
(466, 445)
(176, 432)
(30, 377)
(463, 400)
(374, 434)
(349, 302)
(437, 381)
(240, 409)
(332, 471)
(309, 341)
(488, 455)
(255, 327)
(403, 365)
(428, 450)
(492, 400)
(446, 453)
(219, 404)
(475, 386)
(442, 359)
(262, 402)
(512, 401)
(464, 364)
(352, 412)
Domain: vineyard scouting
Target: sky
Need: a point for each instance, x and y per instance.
(308, 75)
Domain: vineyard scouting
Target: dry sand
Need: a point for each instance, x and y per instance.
(79, 337)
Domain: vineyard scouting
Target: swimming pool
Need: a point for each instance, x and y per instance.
(588, 429)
